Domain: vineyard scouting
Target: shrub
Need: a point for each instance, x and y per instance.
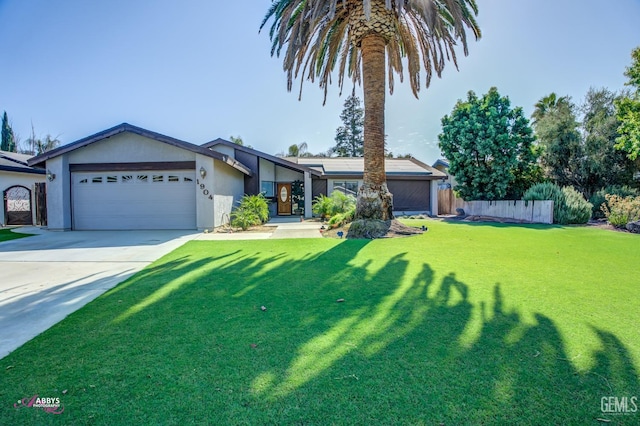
(252, 210)
(576, 209)
(547, 191)
(599, 197)
(569, 206)
(621, 210)
(337, 203)
(341, 202)
(322, 205)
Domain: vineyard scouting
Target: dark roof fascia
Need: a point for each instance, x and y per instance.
(277, 160)
(22, 170)
(126, 127)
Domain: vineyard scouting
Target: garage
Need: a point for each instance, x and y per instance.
(158, 199)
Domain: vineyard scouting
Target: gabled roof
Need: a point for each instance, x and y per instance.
(14, 162)
(345, 166)
(441, 162)
(126, 127)
(277, 160)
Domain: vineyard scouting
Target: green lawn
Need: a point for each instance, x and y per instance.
(467, 324)
(7, 234)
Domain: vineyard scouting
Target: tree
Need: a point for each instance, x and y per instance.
(237, 140)
(359, 37)
(489, 146)
(299, 150)
(350, 136)
(628, 111)
(603, 165)
(556, 127)
(37, 146)
(582, 154)
(8, 139)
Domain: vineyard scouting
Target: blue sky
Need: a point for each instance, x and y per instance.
(198, 69)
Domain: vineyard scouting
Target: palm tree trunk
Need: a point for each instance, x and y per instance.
(374, 199)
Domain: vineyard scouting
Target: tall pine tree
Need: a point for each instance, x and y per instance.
(8, 139)
(350, 136)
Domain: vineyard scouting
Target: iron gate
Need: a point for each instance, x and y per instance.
(17, 206)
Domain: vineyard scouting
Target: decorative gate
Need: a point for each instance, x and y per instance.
(17, 206)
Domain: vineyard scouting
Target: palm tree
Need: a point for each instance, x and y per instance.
(357, 36)
(549, 104)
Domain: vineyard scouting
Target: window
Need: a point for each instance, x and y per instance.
(142, 178)
(112, 179)
(186, 179)
(348, 187)
(158, 178)
(127, 179)
(172, 178)
(84, 181)
(267, 188)
(97, 179)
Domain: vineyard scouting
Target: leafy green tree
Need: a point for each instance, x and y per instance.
(602, 164)
(8, 139)
(557, 130)
(628, 111)
(350, 136)
(489, 146)
(365, 39)
(581, 154)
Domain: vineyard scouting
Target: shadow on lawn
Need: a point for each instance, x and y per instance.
(392, 352)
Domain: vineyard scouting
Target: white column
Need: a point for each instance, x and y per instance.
(434, 198)
(308, 195)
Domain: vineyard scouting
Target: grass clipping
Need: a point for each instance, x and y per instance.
(375, 228)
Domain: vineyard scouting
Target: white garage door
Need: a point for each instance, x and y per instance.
(134, 200)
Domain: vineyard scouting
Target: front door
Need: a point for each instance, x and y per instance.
(284, 199)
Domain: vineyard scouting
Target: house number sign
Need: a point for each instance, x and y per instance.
(204, 189)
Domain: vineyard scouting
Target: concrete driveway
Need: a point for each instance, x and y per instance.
(46, 277)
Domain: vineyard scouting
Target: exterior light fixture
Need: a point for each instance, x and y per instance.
(203, 172)
(50, 176)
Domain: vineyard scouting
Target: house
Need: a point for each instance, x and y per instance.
(127, 177)
(20, 185)
(413, 183)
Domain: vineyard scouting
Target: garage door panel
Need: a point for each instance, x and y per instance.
(134, 200)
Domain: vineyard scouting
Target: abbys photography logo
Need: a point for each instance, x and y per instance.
(619, 405)
(48, 405)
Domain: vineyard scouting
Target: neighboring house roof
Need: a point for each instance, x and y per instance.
(284, 162)
(442, 162)
(345, 166)
(125, 127)
(14, 162)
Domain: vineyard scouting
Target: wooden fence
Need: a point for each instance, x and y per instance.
(530, 211)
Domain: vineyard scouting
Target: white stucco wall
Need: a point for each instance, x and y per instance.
(228, 190)
(226, 150)
(28, 180)
(267, 171)
(205, 192)
(283, 174)
(59, 195)
(127, 148)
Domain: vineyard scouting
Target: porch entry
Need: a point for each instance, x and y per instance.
(284, 199)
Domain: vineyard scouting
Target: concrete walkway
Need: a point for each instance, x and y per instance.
(286, 227)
